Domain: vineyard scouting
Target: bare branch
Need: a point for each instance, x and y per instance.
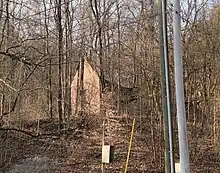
(9, 86)
(15, 57)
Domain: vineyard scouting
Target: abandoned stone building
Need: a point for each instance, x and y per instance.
(86, 91)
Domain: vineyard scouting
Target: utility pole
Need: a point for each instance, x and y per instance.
(163, 86)
(167, 83)
(181, 114)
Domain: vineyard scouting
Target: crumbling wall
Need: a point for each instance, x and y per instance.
(91, 90)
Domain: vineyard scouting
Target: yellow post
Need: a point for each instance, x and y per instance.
(129, 149)
(103, 143)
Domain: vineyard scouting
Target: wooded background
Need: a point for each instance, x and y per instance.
(42, 41)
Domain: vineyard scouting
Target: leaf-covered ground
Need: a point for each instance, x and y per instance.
(79, 151)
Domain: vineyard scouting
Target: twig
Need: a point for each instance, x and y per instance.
(76, 129)
(19, 130)
(1, 80)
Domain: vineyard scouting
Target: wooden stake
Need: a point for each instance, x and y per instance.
(103, 143)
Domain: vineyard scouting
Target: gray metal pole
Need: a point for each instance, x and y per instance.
(181, 114)
(163, 87)
(167, 81)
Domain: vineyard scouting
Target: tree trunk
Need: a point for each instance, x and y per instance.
(60, 60)
(97, 16)
(81, 86)
(49, 91)
(119, 59)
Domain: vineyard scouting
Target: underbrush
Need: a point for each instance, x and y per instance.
(77, 147)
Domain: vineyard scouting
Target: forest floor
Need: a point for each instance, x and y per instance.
(78, 150)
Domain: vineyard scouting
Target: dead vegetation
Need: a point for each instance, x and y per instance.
(41, 45)
(78, 149)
